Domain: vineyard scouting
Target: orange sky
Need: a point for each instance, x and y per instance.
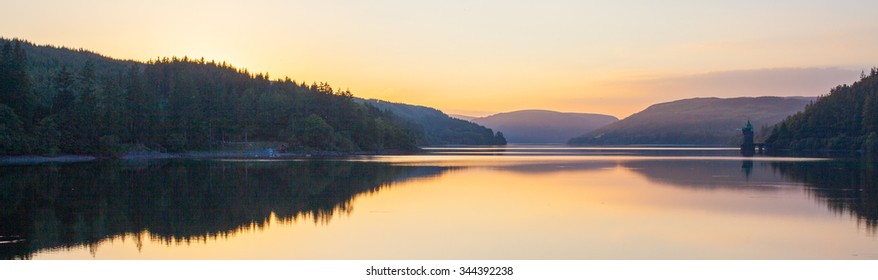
(485, 56)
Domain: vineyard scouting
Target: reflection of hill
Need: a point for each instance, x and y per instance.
(82, 204)
(708, 174)
(844, 186)
(552, 167)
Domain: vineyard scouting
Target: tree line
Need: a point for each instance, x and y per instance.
(845, 119)
(57, 100)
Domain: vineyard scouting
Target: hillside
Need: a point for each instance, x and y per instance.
(436, 128)
(60, 100)
(462, 117)
(542, 126)
(845, 119)
(696, 121)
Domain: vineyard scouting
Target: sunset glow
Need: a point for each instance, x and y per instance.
(482, 57)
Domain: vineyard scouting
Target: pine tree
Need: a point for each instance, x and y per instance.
(64, 91)
(87, 109)
(88, 85)
(15, 83)
(5, 74)
(140, 107)
(11, 132)
(870, 113)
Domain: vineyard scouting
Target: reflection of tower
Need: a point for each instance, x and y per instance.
(747, 166)
(748, 148)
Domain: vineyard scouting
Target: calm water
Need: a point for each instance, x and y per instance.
(461, 203)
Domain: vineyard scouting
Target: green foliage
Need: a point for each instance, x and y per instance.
(12, 135)
(48, 137)
(15, 84)
(870, 145)
(88, 104)
(312, 133)
(64, 90)
(846, 119)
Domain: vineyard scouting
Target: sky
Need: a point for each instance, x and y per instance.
(478, 57)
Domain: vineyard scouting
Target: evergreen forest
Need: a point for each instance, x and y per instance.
(56, 100)
(845, 119)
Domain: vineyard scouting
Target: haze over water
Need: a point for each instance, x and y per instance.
(519, 202)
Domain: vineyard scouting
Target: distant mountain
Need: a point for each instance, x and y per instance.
(543, 126)
(437, 128)
(696, 121)
(846, 119)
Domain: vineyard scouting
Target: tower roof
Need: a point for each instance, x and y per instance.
(748, 126)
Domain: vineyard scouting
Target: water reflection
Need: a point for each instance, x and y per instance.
(49, 207)
(747, 167)
(555, 167)
(514, 203)
(845, 186)
(712, 174)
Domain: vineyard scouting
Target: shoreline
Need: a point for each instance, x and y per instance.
(35, 159)
(148, 156)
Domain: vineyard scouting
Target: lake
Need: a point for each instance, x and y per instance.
(517, 202)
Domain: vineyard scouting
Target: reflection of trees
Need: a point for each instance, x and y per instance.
(844, 186)
(176, 201)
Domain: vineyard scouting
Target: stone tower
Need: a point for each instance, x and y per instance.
(748, 146)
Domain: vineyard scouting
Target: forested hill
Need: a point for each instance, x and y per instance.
(695, 121)
(59, 100)
(437, 128)
(845, 119)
